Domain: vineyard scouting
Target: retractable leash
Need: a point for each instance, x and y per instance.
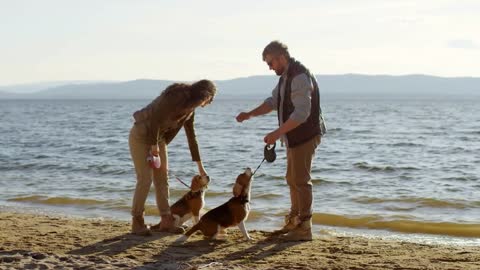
(268, 154)
(257, 167)
(154, 162)
(180, 180)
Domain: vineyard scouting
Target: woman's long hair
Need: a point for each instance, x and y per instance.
(194, 94)
(201, 91)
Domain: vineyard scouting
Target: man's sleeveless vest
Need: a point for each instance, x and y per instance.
(314, 125)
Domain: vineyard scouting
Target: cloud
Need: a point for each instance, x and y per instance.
(463, 44)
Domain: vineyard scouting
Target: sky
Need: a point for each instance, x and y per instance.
(120, 40)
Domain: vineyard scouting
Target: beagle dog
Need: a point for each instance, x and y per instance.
(192, 202)
(232, 213)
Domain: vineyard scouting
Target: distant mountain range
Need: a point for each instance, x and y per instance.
(35, 87)
(341, 86)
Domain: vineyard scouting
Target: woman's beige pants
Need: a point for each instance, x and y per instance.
(145, 174)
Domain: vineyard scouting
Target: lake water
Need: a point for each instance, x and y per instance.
(407, 169)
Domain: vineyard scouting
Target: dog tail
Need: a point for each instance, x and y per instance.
(184, 237)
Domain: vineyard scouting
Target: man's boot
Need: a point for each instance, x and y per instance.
(139, 227)
(302, 232)
(291, 221)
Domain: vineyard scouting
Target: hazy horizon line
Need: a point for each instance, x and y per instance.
(86, 81)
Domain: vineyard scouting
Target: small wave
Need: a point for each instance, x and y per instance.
(405, 144)
(89, 150)
(67, 167)
(320, 181)
(406, 177)
(460, 178)
(267, 196)
(103, 169)
(399, 225)
(466, 139)
(276, 177)
(363, 131)
(328, 169)
(60, 201)
(373, 168)
(420, 202)
(474, 132)
(400, 208)
(41, 156)
(383, 168)
(111, 141)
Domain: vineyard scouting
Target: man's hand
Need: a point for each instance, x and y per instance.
(272, 137)
(243, 116)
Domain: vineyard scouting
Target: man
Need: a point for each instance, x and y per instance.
(297, 102)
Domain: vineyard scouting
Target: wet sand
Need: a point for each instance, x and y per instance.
(30, 241)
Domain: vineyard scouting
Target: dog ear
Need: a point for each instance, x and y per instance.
(237, 189)
(242, 179)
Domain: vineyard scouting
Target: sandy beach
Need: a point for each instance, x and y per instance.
(30, 241)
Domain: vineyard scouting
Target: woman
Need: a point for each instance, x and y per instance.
(155, 127)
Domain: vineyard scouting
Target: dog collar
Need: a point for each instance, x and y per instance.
(243, 199)
(192, 194)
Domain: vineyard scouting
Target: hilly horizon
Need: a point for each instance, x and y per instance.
(340, 86)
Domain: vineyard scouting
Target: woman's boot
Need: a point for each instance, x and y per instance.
(139, 227)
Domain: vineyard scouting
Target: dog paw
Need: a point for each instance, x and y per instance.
(248, 239)
(219, 237)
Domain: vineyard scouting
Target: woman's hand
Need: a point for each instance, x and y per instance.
(154, 150)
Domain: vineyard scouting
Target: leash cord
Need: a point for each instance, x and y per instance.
(258, 167)
(180, 180)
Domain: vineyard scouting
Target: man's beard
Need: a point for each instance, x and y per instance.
(279, 72)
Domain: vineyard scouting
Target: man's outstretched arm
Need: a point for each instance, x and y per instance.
(264, 108)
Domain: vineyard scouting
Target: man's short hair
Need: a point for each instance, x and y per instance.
(276, 48)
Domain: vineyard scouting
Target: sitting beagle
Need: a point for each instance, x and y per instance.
(232, 213)
(190, 204)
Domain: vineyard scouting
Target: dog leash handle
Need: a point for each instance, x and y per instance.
(269, 152)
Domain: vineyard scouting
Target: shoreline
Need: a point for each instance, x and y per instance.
(320, 227)
(46, 241)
